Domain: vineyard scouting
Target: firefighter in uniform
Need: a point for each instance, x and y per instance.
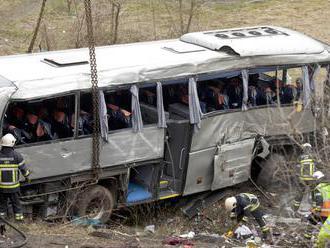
(320, 204)
(306, 171)
(11, 165)
(243, 205)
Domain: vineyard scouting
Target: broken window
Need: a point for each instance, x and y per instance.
(40, 120)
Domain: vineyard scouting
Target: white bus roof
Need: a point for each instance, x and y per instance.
(193, 53)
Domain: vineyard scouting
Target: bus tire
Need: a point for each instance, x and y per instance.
(269, 175)
(96, 203)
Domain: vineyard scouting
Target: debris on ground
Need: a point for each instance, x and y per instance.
(189, 235)
(243, 232)
(150, 229)
(177, 241)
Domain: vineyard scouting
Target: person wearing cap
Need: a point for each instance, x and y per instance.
(307, 179)
(245, 204)
(11, 165)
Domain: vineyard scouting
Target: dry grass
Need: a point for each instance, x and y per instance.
(152, 19)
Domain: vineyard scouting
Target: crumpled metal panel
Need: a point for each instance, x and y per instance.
(232, 164)
(229, 128)
(67, 157)
(284, 42)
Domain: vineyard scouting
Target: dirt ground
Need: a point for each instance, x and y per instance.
(126, 228)
(142, 20)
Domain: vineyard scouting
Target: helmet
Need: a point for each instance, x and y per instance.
(8, 140)
(318, 174)
(307, 148)
(230, 203)
(307, 145)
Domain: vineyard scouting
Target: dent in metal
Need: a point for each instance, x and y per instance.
(234, 128)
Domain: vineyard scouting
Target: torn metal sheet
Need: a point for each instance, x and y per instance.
(235, 127)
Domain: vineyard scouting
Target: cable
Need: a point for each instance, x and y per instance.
(17, 230)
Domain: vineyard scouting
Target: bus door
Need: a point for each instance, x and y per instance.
(232, 163)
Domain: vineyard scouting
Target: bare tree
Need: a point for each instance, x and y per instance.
(115, 7)
(36, 30)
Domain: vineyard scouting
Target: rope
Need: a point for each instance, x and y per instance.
(17, 230)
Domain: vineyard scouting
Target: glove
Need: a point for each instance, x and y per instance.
(27, 180)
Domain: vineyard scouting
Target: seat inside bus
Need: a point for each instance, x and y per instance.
(140, 184)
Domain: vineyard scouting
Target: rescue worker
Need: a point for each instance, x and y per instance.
(245, 204)
(11, 163)
(320, 204)
(323, 239)
(307, 181)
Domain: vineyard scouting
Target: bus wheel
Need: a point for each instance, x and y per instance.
(96, 203)
(270, 173)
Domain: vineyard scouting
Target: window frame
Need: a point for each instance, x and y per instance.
(11, 101)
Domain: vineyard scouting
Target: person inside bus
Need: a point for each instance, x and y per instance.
(20, 135)
(119, 118)
(183, 97)
(85, 123)
(234, 92)
(148, 96)
(254, 96)
(60, 124)
(299, 89)
(269, 96)
(289, 93)
(37, 129)
(16, 117)
(216, 97)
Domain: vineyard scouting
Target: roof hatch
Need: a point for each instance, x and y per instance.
(255, 41)
(64, 61)
(182, 47)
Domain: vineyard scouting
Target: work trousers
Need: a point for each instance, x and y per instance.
(258, 216)
(14, 199)
(303, 189)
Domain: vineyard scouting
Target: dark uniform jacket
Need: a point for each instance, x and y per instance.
(11, 165)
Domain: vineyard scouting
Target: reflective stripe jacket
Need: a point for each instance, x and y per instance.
(11, 164)
(307, 168)
(322, 199)
(324, 235)
(245, 203)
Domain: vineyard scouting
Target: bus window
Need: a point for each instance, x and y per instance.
(119, 109)
(269, 88)
(40, 120)
(148, 104)
(220, 94)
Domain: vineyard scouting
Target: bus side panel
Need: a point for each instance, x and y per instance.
(233, 128)
(72, 156)
(126, 146)
(280, 121)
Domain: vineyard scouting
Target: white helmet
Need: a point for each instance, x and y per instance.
(8, 140)
(307, 145)
(318, 174)
(230, 203)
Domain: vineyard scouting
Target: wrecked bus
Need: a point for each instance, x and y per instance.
(177, 117)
